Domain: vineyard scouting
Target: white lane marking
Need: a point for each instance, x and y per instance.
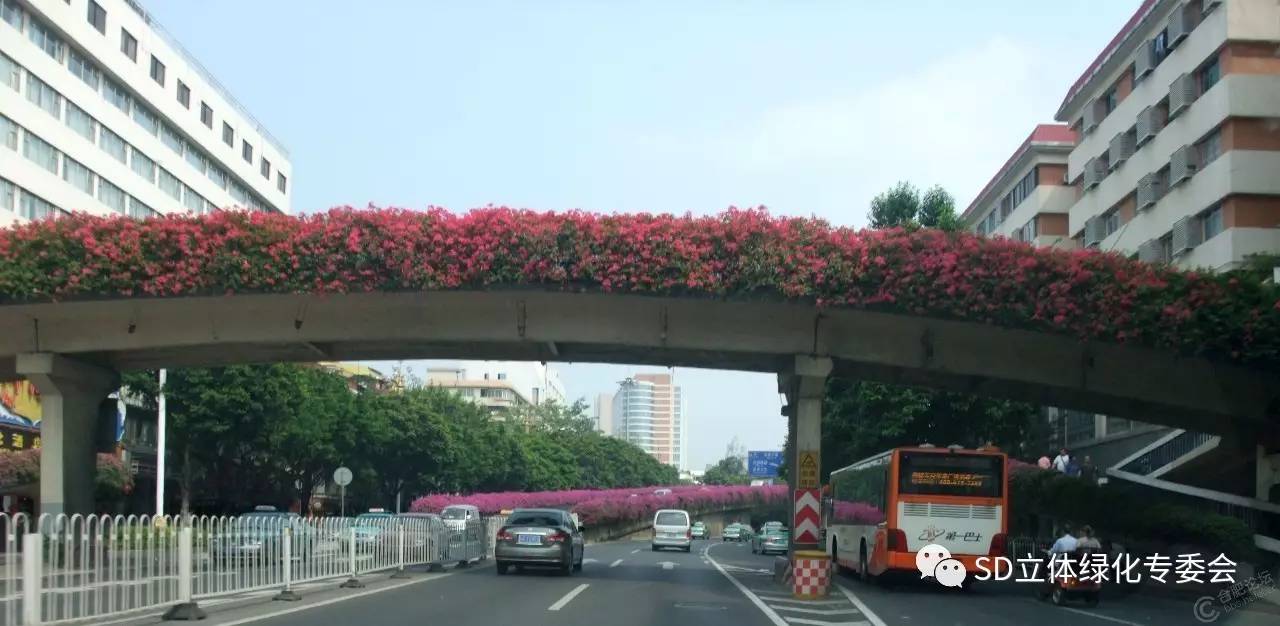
(866, 612)
(667, 565)
(800, 609)
(805, 602)
(635, 551)
(585, 561)
(616, 563)
(1100, 616)
(568, 597)
(818, 622)
(764, 608)
(258, 618)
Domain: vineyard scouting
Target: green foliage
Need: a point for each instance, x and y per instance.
(1122, 513)
(727, 471)
(902, 205)
(268, 434)
(861, 418)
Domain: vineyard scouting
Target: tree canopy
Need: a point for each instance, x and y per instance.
(245, 435)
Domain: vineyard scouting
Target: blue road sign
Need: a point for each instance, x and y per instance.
(763, 463)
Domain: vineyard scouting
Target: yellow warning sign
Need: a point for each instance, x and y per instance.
(808, 466)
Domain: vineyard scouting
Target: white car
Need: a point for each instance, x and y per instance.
(672, 529)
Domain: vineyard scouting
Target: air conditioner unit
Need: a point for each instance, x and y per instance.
(1147, 126)
(1093, 114)
(1188, 233)
(1181, 94)
(1145, 61)
(1146, 193)
(1180, 25)
(1093, 172)
(1149, 251)
(1093, 231)
(1122, 147)
(1182, 165)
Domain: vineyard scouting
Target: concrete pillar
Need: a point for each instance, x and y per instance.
(70, 394)
(1267, 473)
(805, 386)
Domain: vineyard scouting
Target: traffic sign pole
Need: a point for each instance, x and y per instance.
(342, 476)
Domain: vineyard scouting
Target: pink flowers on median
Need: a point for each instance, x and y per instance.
(606, 506)
(736, 254)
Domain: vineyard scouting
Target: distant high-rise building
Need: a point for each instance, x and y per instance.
(604, 413)
(648, 412)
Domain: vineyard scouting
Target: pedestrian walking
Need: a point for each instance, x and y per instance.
(1060, 462)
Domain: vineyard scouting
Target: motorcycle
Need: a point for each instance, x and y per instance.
(1072, 586)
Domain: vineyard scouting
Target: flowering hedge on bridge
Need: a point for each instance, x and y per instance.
(607, 506)
(738, 253)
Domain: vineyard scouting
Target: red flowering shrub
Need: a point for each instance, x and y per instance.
(739, 253)
(607, 506)
(22, 467)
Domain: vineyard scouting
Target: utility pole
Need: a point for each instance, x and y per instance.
(160, 443)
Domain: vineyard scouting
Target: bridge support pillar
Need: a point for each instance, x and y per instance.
(71, 392)
(805, 386)
(1267, 486)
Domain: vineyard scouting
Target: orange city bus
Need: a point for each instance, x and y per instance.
(884, 509)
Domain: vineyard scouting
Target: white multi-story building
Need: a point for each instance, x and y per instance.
(101, 111)
(648, 411)
(1178, 145)
(500, 385)
(604, 413)
(1028, 198)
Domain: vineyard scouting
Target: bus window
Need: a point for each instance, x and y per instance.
(859, 495)
(934, 474)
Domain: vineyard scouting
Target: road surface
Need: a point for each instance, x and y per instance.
(626, 584)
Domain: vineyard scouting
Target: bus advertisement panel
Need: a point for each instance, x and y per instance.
(884, 509)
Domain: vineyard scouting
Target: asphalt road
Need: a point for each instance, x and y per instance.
(625, 584)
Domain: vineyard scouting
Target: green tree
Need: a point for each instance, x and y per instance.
(902, 205)
(407, 441)
(727, 471)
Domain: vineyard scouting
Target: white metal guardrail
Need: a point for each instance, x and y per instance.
(72, 568)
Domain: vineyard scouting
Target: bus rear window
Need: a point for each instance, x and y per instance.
(942, 474)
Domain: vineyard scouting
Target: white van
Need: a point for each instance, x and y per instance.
(457, 516)
(672, 529)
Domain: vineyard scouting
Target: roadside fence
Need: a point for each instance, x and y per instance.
(79, 568)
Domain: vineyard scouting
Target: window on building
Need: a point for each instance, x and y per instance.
(34, 207)
(246, 151)
(1109, 100)
(8, 195)
(43, 96)
(265, 169)
(1161, 45)
(81, 122)
(216, 174)
(146, 118)
(171, 138)
(239, 194)
(1079, 427)
(1162, 181)
(192, 200)
(1211, 221)
(111, 195)
(1110, 222)
(157, 70)
(195, 158)
(98, 17)
(138, 210)
(9, 72)
(116, 95)
(46, 40)
(1209, 74)
(228, 135)
(113, 144)
(1116, 425)
(143, 166)
(170, 184)
(8, 133)
(184, 95)
(77, 175)
(39, 151)
(85, 71)
(11, 13)
(282, 184)
(129, 45)
(1209, 148)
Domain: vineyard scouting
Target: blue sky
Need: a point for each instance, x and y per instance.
(807, 107)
